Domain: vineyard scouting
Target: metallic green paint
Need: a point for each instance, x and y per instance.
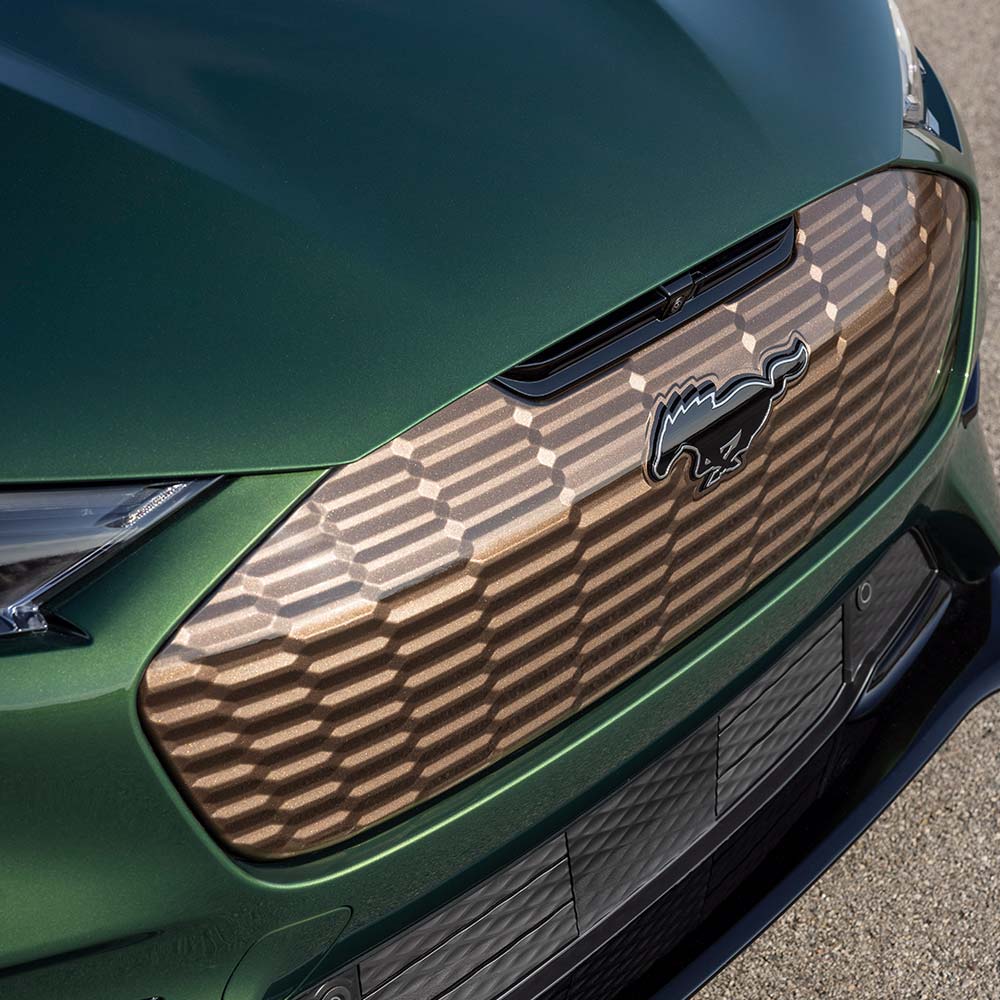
(245, 237)
(80, 791)
(290, 952)
(110, 887)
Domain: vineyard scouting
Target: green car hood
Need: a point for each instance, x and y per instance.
(273, 234)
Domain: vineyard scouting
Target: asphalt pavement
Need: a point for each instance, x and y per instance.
(913, 909)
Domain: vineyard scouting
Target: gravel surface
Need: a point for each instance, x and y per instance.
(913, 909)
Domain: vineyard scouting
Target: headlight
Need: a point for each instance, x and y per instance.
(909, 69)
(50, 537)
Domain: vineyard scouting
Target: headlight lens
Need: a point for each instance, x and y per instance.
(49, 538)
(909, 69)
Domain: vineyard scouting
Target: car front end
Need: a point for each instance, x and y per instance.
(495, 503)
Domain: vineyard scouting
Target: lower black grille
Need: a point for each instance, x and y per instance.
(882, 601)
(774, 713)
(632, 951)
(659, 929)
(518, 918)
(702, 818)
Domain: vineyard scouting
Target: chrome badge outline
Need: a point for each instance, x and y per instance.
(714, 426)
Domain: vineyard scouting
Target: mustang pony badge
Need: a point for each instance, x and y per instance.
(715, 426)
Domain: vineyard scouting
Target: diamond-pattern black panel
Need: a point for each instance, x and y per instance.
(635, 948)
(896, 582)
(750, 694)
(385, 962)
(484, 943)
(474, 946)
(755, 723)
(527, 953)
(752, 767)
(631, 836)
(740, 855)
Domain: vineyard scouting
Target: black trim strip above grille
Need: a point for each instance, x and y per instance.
(652, 314)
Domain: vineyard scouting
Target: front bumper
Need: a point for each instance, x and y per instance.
(675, 872)
(830, 800)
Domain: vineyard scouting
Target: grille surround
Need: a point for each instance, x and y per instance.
(374, 650)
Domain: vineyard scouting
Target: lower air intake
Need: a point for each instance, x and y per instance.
(627, 880)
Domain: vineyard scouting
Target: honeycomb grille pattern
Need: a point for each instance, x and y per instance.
(495, 569)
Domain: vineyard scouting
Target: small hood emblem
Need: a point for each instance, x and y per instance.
(715, 426)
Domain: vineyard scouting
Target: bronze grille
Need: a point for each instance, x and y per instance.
(490, 572)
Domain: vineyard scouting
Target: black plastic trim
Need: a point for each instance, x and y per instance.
(840, 760)
(906, 646)
(729, 823)
(651, 315)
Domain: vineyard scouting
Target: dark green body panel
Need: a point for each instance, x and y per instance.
(265, 236)
(110, 887)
